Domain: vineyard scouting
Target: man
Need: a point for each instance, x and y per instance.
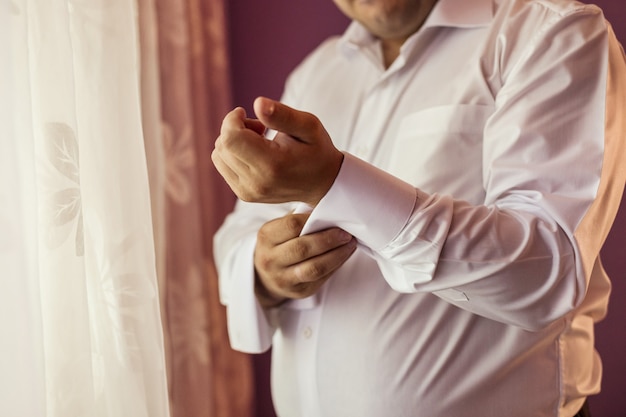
(457, 165)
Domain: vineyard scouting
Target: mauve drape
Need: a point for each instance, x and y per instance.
(186, 93)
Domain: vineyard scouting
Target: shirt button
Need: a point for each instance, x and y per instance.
(307, 332)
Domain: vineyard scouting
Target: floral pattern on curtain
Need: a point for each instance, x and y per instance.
(79, 307)
(184, 103)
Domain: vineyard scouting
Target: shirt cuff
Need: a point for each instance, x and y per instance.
(365, 201)
(249, 329)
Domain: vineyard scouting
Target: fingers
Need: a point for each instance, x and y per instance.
(228, 164)
(234, 120)
(237, 120)
(298, 259)
(239, 143)
(305, 248)
(321, 267)
(283, 229)
(275, 115)
(230, 176)
(306, 278)
(276, 282)
(288, 265)
(255, 125)
(291, 248)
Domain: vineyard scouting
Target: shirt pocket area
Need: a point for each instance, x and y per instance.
(439, 150)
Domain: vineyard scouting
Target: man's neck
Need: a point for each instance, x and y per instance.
(391, 50)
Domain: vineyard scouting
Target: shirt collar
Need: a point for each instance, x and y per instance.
(446, 13)
(460, 13)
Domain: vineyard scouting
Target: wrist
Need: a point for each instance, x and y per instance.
(266, 298)
(332, 173)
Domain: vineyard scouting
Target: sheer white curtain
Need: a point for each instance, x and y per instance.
(80, 331)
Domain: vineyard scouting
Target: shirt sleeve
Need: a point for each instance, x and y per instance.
(551, 177)
(250, 327)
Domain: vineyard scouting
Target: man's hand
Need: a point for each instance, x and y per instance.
(291, 266)
(300, 164)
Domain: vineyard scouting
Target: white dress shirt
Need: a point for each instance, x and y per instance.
(481, 176)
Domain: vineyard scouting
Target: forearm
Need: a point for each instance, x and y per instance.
(516, 266)
(510, 261)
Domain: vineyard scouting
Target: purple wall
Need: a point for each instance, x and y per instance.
(268, 38)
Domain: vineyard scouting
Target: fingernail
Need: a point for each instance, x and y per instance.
(344, 236)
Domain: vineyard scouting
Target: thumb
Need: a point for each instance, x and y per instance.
(274, 115)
